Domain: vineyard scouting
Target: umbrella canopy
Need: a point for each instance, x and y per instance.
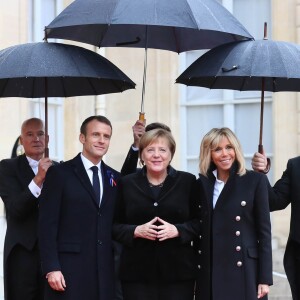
(69, 70)
(37, 70)
(248, 65)
(242, 66)
(177, 25)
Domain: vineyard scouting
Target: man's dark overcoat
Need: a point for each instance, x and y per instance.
(287, 191)
(75, 234)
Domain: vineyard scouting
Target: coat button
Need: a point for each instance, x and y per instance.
(239, 263)
(237, 233)
(238, 248)
(237, 218)
(155, 204)
(243, 203)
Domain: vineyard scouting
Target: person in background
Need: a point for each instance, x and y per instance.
(130, 163)
(17, 149)
(75, 220)
(21, 181)
(235, 245)
(156, 218)
(286, 191)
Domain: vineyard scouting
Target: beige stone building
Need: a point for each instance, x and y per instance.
(190, 112)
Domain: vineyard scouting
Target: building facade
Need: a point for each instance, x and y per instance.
(189, 111)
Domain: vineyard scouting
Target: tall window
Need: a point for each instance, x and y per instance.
(203, 109)
(42, 12)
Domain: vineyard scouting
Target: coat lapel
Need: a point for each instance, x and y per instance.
(228, 187)
(81, 174)
(208, 185)
(109, 178)
(24, 171)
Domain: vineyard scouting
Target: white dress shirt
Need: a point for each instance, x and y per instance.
(219, 185)
(87, 165)
(34, 189)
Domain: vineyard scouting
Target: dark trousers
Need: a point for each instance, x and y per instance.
(23, 278)
(292, 267)
(181, 290)
(297, 265)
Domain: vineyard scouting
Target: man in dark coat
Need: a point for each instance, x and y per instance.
(76, 221)
(21, 180)
(287, 191)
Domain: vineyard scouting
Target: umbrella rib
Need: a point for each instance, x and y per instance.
(274, 84)
(33, 85)
(176, 40)
(243, 84)
(92, 86)
(4, 86)
(102, 37)
(213, 83)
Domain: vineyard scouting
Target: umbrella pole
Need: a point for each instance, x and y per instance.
(262, 102)
(142, 112)
(46, 119)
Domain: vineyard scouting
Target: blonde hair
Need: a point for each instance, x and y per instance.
(152, 136)
(211, 141)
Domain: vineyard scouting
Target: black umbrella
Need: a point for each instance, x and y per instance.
(175, 25)
(37, 70)
(248, 65)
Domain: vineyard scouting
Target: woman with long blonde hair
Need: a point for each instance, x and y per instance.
(235, 245)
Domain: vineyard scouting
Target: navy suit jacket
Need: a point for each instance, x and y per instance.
(75, 233)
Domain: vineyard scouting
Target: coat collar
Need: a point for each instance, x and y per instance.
(108, 175)
(227, 188)
(25, 172)
(143, 184)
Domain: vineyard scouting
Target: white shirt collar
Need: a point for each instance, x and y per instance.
(218, 187)
(88, 164)
(32, 162)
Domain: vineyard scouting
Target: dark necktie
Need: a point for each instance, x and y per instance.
(96, 182)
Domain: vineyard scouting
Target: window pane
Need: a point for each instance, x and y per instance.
(247, 123)
(200, 119)
(244, 10)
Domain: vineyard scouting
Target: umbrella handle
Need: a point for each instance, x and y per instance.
(260, 149)
(46, 153)
(268, 167)
(142, 116)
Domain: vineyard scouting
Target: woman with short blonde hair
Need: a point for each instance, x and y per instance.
(235, 244)
(211, 141)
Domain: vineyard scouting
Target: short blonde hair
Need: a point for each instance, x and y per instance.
(152, 136)
(211, 141)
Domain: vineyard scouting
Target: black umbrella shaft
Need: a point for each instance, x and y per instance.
(262, 102)
(46, 119)
(144, 81)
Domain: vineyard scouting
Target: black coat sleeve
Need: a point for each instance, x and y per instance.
(130, 163)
